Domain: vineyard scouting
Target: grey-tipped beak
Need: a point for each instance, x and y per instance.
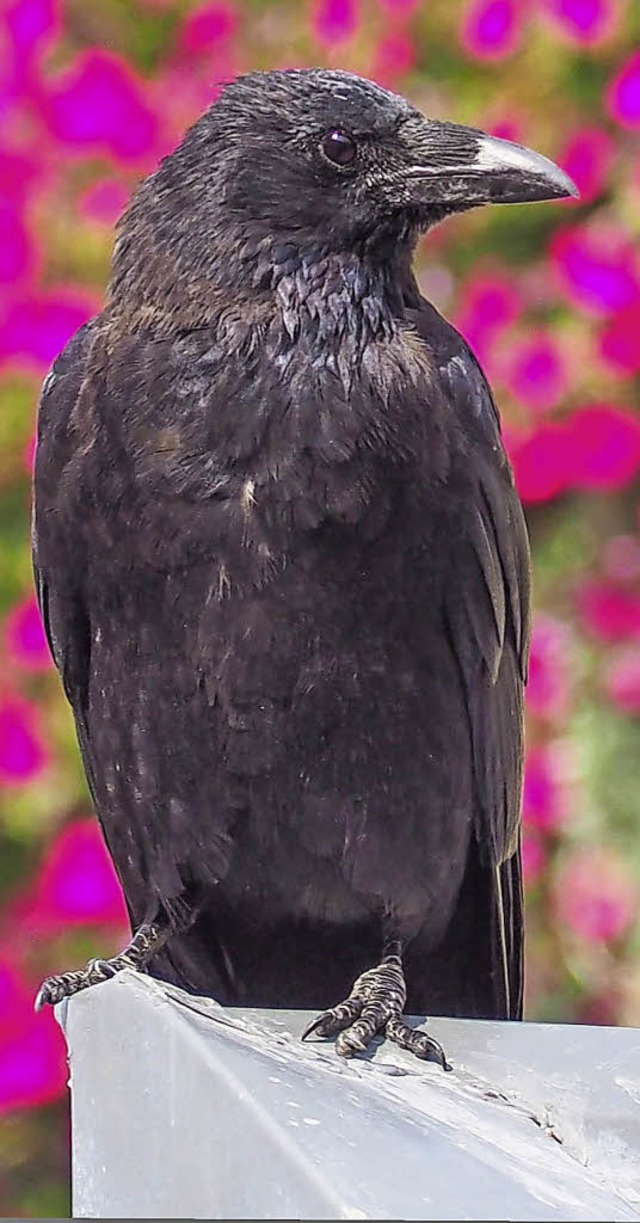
(456, 167)
(519, 173)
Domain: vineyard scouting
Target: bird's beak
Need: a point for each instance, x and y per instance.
(457, 167)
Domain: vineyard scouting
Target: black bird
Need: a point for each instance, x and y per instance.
(284, 571)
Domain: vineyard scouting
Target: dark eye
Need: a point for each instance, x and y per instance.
(339, 148)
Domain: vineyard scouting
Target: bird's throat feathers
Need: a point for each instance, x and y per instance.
(293, 292)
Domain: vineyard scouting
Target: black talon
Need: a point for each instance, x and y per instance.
(419, 1043)
(314, 1026)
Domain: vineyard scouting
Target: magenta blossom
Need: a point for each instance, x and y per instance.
(395, 55)
(32, 25)
(542, 461)
(605, 441)
(36, 327)
(548, 691)
(334, 21)
(489, 305)
(207, 26)
(620, 341)
(583, 22)
(104, 201)
(609, 612)
(19, 256)
(33, 1069)
(78, 884)
(25, 642)
(508, 127)
(533, 856)
(20, 172)
(191, 91)
(23, 754)
(491, 29)
(596, 267)
(623, 95)
(596, 448)
(544, 798)
(595, 896)
(587, 158)
(98, 105)
(622, 680)
(535, 371)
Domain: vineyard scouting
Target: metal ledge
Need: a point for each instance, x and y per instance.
(184, 1110)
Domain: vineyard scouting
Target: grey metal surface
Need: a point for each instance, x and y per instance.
(184, 1110)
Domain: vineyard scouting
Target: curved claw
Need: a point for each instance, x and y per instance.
(41, 998)
(312, 1027)
(426, 1047)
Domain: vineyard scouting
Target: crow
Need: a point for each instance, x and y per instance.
(284, 571)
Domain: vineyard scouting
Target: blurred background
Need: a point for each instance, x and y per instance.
(91, 96)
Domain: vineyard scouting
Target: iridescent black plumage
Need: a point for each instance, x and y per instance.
(283, 567)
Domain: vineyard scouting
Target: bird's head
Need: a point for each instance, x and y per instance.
(323, 158)
(323, 150)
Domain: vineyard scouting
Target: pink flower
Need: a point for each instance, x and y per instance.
(596, 267)
(505, 128)
(191, 91)
(623, 94)
(23, 754)
(544, 799)
(395, 55)
(542, 462)
(595, 895)
(98, 105)
(609, 612)
(620, 341)
(208, 26)
(104, 201)
(605, 442)
(18, 253)
(78, 884)
(36, 328)
(334, 21)
(491, 29)
(550, 669)
(587, 158)
(533, 856)
(490, 304)
(19, 174)
(584, 22)
(622, 680)
(33, 1068)
(535, 371)
(25, 642)
(32, 26)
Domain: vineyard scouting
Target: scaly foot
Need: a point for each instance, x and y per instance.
(375, 1005)
(145, 941)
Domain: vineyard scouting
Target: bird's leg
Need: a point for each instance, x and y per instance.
(375, 1005)
(147, 939)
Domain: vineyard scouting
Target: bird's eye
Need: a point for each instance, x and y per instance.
(339, 148)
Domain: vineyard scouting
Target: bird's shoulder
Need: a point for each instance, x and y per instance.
(461, 378)
(59, 393)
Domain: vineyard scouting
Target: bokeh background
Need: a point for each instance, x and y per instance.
(91, 95)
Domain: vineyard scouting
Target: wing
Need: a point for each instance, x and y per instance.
(58, 561)
(488, 621)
